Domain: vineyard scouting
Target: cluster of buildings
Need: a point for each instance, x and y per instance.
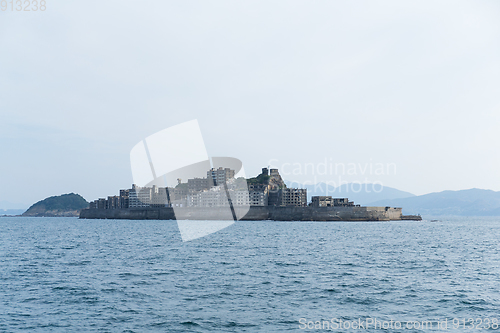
(220, 188)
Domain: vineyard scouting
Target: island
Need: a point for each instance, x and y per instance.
(66, 205)
(222, 196)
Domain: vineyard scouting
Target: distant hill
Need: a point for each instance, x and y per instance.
(473, 202)
(359, 193)
(63, 205)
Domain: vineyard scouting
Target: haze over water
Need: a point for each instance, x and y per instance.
(70, 275)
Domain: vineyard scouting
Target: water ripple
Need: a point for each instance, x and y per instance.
(70, 275)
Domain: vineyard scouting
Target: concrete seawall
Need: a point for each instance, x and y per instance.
(255, 213)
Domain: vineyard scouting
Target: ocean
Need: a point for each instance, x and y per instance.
(71, 275)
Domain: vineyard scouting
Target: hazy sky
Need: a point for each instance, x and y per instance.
(414, 85)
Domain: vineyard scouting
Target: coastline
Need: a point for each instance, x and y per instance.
(256, 213)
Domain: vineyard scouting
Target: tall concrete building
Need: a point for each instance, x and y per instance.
(288, 197)
(220, 176)
(124, 199)
(159, 197)
(113, 202)
(139, 197)
(258, 194)
(198, 184)
(294, 197)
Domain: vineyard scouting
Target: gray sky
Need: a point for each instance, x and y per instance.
(411, 84)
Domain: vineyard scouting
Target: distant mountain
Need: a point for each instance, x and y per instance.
(473, 202)
(359, 193)
(11, 211)
(63, 205)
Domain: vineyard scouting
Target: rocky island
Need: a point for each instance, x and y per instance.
(66, 205)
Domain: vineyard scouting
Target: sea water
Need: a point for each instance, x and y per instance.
(71, 275)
